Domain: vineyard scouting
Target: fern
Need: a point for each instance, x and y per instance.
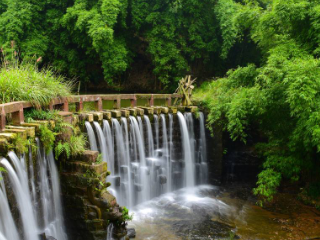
(62, 148)
(47, 137)
(77, 144)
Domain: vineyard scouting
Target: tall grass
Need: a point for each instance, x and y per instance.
(23, 81)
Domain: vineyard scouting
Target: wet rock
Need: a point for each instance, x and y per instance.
(115, 181)
(137, 187)
(89, 156)
(131, 232)
(162, 179)
(44, 237)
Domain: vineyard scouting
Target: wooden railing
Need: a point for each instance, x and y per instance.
(16, 109)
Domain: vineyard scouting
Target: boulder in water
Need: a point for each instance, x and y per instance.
(131, 232)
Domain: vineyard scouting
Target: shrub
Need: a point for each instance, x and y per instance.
(23, 81)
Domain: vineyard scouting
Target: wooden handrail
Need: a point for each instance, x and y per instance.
(17, 108)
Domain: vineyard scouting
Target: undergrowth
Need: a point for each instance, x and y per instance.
(24, 81)
(68, 139)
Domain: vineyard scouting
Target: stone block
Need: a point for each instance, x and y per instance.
(66, 116)
(148, 110)
(157, 110)
(3, 145)
(191, 109)
(173, 110)
(7, 136)
(30, 130)
(86, 117)
(164, 110)
(140, 111)
(19, 132)
(125, 113)
(88, 156)
(181, 109)
(116, 114)
(107, 115)
(133, 111)
(97, 116)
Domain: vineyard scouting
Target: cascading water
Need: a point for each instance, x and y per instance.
(39, 205)
(142, 174)
(110, 231)
(102, 143)
(20, 189)
(203, 151)
(189, 173)
(7, 225)
(149, 158)
(92, 138)
(110, 145)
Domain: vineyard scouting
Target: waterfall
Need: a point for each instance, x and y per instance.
(156, 129)
(165, 153)
(143, 170)
(149, 137)
(110, 144)
(56, 227)
(203, 151)
(189, 174)
(148, 158)
(102, 142)
(92, 138)
(30, 228)
(127, 162)
(110, 231)
(7, 225)
(170, 139)
(39, 205)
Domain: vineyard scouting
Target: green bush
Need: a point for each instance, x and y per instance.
(23, 81)
(278, 99)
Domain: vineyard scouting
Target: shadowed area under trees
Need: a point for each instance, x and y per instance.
(131, 45)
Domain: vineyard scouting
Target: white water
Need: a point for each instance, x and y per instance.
(203, 151)
(110, 144)
(30, 228)
(110, 231)
(189, 173)
(7, 225)
(92, 138)
(102, 142)
(144, 161)
(40, 209)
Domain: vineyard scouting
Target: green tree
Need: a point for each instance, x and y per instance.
(281, 97)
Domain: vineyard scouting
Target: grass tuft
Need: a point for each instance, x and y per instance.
(23, 81)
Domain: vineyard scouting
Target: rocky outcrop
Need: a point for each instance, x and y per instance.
(89, 207)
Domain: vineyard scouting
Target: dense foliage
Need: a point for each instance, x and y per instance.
(148, 43)
(280, 98)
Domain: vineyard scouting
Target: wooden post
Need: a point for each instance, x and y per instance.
(151, 101)
(2, 119)
(79, 105)
(99, 104)
(65, 106)
(117, 102)
(169, 101)
(133, 102)
(51, 106)
(18, 117)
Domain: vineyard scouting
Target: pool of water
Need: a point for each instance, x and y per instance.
(208, 212)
